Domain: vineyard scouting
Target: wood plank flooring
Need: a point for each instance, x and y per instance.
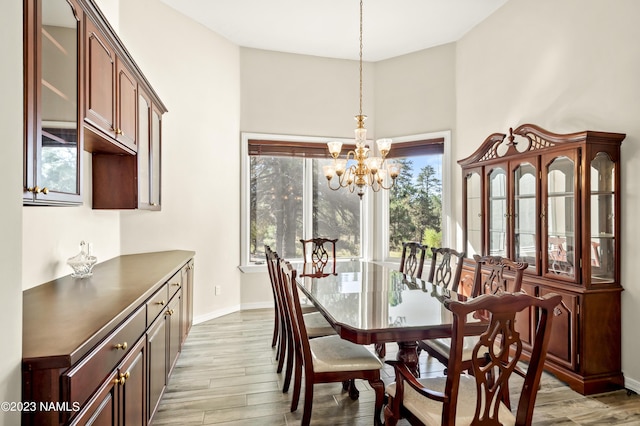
(226, 375)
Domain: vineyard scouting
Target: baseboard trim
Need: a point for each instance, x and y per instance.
(216, 314)
(632, 384)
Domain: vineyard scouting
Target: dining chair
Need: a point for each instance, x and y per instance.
(446, 267)
(315, 322)
(318, 250)
(412, 259)
(493, 275)
(481, 398)
(411, 263)
(269, 255)
(326, 359)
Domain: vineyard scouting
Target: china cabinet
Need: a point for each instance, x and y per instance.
(553, 201)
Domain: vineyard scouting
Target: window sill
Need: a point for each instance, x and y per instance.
(253, 268)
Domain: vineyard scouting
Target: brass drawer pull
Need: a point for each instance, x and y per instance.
(161, 303)
(122, 346)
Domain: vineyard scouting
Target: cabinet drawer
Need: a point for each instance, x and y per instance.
(84, 378)
(174, 283)
(157, 303)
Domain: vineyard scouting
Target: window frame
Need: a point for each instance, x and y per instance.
(366, 227)
(382, 202)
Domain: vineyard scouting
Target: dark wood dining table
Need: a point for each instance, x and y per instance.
(369, 303)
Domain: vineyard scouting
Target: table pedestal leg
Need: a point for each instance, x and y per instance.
(408, 354)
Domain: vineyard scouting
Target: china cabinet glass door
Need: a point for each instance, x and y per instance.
(560, 218)
(525, 215)
(498, 213)
(603, 178)
(53, 146)
(474, 214)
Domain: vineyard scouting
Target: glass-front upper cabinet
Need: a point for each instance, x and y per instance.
(602, 249)
(53, 144)
(474, 228)
(524, 213)
(550, 200)
(498, 214)
(559, 216)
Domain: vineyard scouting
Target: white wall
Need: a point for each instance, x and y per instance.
(196, 73)
(415, 93)
(567, 66)
(303, 95)
(11, 209)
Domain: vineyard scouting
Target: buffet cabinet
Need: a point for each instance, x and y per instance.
(553, 201)
(101, 350)
(84, 92)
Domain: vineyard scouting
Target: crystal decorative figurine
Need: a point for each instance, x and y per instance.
(83, 262)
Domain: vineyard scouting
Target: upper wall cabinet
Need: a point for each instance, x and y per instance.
(110, 95)
(82, 92)
(53, 140)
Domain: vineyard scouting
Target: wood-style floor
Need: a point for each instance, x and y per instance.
(226, 375)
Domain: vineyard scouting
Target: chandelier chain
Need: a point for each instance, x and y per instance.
(361, 1)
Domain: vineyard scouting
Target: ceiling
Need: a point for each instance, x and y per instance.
(330, 28)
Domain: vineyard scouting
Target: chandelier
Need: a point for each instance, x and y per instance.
(358, 170)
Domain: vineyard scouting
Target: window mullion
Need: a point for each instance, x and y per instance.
(307, 200)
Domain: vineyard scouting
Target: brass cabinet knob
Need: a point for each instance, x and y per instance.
(161, 303)
(176, 284)
(118, 131)
(37, 190)
(169, 312)
(121, 380)
(122, 346)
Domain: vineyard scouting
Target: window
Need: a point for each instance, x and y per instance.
(288, 199)
(285, 198)
(415, 203)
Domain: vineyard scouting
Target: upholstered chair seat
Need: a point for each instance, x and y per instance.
(430, 412)
(331, 353)
(317, 325)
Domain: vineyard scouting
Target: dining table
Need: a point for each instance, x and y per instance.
(368, 303)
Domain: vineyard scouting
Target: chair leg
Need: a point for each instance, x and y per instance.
(282, 347)
(308, 403)
(289, 369)
(276, 329)
(378, 387)
(389, 418)
(290, 360)
(297, 384)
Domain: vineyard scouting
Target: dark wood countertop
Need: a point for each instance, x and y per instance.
(64, 318)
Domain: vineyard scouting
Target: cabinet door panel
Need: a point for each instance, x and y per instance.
(127, 98)
(100, 72)
(133, 391)
(157, 363)
(175, 331)
(562, 347)
(102, 408)
(526, 320)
